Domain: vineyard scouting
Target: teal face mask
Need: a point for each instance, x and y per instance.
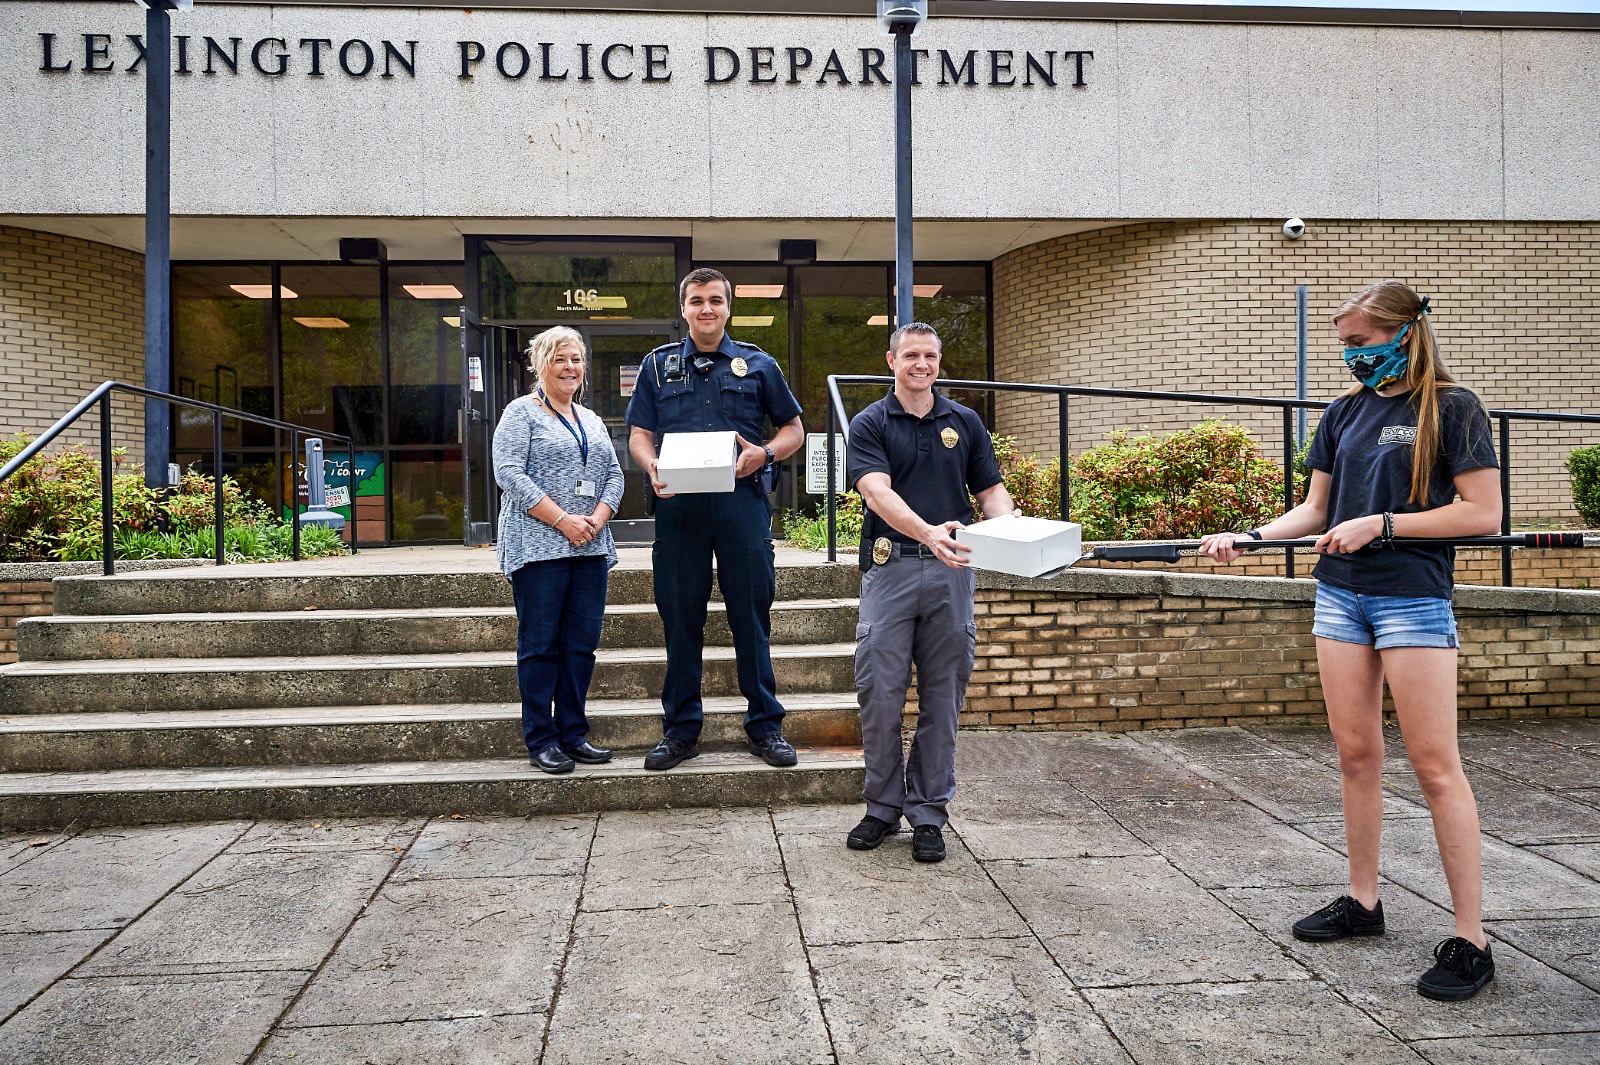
(1379, 365)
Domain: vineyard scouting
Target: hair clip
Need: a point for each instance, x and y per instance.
(1425, 308)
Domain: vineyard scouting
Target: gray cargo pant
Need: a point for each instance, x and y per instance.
(913, 610)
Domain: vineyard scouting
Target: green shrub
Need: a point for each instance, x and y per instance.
(50, 511)
(811, 530)
(1584, 466)
(1207, 478)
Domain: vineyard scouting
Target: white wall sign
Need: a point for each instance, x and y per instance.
(817, 463)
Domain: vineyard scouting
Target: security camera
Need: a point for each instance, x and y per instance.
(1294, 228)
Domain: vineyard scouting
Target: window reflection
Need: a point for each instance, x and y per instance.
(426, 491)
(332, 350)
(222, 350)
(424, 352)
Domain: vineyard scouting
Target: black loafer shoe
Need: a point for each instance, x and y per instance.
(669, 752)
(870, 832)
(587, 753)
(551, 760)
(927, 843)
(774, 750)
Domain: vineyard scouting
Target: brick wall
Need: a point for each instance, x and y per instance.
(1209, 306)
(18, 600)
(71, 316)
(1101, 650)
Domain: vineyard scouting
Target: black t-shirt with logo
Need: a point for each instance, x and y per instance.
(932, 462)
(1364, 443)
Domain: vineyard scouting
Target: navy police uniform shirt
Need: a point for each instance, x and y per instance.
(714, 401)
(933, 462)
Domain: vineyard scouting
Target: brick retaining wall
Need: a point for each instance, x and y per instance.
(20, 599)
(1104, 650)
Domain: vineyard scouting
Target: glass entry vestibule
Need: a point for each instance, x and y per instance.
(385, 352)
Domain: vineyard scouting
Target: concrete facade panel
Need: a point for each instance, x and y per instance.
(1174, 120)
(1552, 141)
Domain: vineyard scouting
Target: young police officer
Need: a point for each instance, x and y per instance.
(914, 455)
(710, 382)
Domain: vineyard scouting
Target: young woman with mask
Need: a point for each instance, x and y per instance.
(1406, 452)
(560, 483)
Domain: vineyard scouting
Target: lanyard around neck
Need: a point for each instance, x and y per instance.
(580, 435)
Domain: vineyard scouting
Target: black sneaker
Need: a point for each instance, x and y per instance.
(1340, 919)
(871, 832)
(1459, 971)
(927, 843)
(774, 750)
(669, 752)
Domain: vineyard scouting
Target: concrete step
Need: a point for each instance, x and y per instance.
(376, 680)
(349, 734)
(488, 786)
(441, 630)
(206, 591)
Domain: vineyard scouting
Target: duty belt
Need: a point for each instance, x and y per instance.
(884, 549)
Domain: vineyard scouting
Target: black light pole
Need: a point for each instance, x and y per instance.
(157, 233)
(901, 18)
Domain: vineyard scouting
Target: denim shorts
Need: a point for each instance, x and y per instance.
(1382, 621)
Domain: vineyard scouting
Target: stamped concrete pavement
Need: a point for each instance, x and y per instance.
(1106, 899)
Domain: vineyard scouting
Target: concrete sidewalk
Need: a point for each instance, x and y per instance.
(1106, 899)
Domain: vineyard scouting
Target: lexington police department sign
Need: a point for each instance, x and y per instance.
(318, 57)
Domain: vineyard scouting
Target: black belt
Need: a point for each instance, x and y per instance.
(913, 551)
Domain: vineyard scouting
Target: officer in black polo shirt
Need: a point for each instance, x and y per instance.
(914, 455)
(711, 382)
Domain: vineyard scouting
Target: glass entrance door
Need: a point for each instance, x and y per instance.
(614, 357)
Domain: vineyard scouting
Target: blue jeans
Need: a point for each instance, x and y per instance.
(560, 604)
(1382, 621)
(736, 527)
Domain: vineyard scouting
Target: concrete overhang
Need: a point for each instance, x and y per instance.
(728, 240)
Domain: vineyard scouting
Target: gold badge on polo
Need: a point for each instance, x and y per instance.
(740, 367)
(950, 437)
(880, 550)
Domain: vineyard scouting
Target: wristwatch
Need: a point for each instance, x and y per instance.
(772, 460)
(1256, 533)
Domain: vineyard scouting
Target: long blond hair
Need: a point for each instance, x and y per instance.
(1389, 305)
(542, 352)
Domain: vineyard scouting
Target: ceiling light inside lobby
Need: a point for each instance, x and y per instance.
(609, 303)
(433, 292)
(878, 319)
(324, 323)
(751, 321)
(452, 320)
(263, 292)
(758, 292)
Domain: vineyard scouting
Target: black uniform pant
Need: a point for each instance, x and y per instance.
(735, 528)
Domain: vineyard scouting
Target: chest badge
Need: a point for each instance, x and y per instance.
(880, 550)
(950, 437)
(740, 367)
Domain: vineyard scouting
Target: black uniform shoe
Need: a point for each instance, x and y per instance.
(587, 753)
(1340, 919)
(669, 752)
(927, 843)
(1459, 971)
(871, 832)
(551, 760)
(774, 750)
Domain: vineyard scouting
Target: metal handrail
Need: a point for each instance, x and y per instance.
(102, 396)
(1064, 393)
